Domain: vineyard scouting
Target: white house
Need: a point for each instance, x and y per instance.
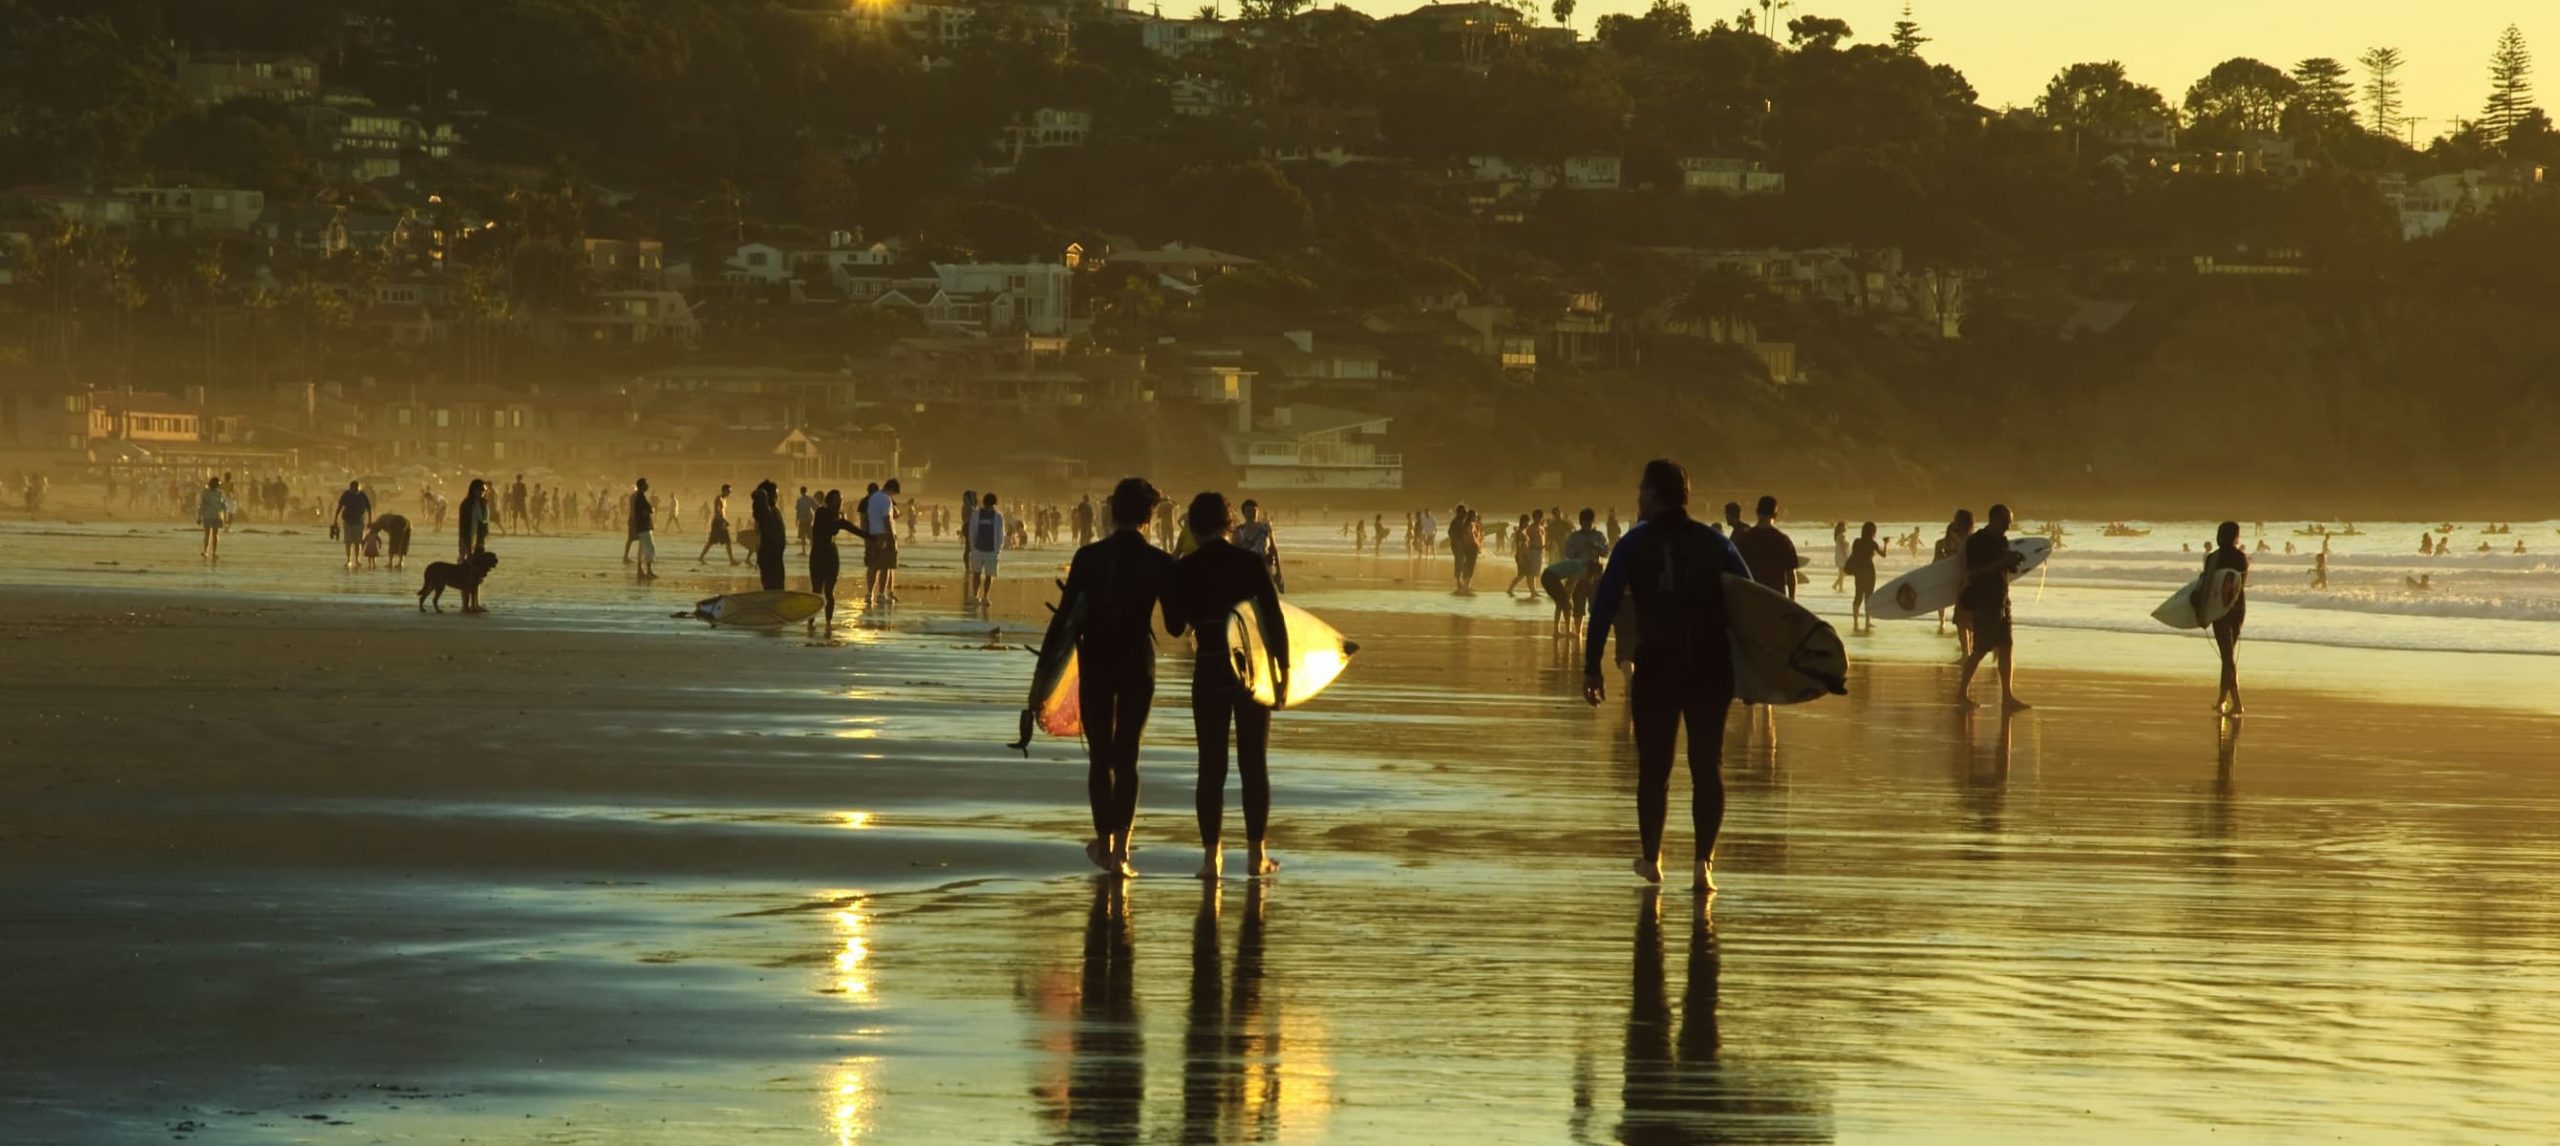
(986, 298)
(1730, 176)
(1315, 447)
(1179, 37)
(1591, 172)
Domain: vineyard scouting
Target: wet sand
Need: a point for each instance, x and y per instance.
(330, 871)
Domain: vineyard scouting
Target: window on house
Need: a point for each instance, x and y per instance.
(515, 418)
(498, 449)
(444, 418)
(402, 416)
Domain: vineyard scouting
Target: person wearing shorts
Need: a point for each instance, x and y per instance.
(986, 549)
(719, 527)
(880, 547)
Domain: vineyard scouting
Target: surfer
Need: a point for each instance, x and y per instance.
(1984, 605)
(2228, 554)
(719, 528)
(1254, 537)
(1204, 588)
(1673, 567)
(394, 528)
(473, 533)
(1113, 585)
(1959, 528)
(355, 510)
(2320, 570)
(643, 530)
(1768, 550)
(213, 511)
(986, 548)
(1861, 567)
(826, 519)
(764, 515)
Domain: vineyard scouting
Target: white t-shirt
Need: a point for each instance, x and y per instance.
(987, 526)
(877, 509)
(1254, 537)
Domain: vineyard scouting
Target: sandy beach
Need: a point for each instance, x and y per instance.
(288, 867)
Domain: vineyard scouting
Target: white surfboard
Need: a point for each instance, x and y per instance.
(1317, 654)
(1935, 586)
(2201, 602)
(1782, 653)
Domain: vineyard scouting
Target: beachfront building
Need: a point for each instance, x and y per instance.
(1303, 447)
(1703, 173)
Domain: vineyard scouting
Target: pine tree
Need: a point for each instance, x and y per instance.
(2382, 88)
(2510, 86)
(2323, 101)
(1906, 34)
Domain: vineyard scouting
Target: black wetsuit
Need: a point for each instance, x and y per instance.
(2226, 632)
(1206, 586)
(1673, 567)
(772, 539)
(824, 562)
(1120, 580)
(1861, 565)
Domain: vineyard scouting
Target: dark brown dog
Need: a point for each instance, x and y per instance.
(464, 577)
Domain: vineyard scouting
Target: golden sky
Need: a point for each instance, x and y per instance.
(2009, 48)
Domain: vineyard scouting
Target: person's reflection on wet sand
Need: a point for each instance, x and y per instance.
(1676, 1089)
(2216, 815)
(1982, 777)
(1230, 1059)
(1106, 1080)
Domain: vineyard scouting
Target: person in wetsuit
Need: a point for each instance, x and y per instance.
(1861, 568)
(772, 537)
(826, 519)
(473, 534)
(1674, 567)
(1984, 605)
(1204, 588)
(1118, 581)
(2227, 554)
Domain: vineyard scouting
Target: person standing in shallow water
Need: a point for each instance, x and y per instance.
(213, 512)
(1984, 605)
(1203, 589)
(1861, 567)
(825, 563)
(1118, 583)
(1674, 568)
(2227, 554)
(773, 538)
(642, 531)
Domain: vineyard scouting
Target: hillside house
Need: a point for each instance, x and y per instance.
(1301, 447)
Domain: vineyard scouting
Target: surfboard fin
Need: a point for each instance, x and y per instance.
(1022, 743)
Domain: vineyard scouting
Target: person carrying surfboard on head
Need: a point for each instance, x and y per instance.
(1672, 566)
(2227, 554)
(1204, 589)
(1984, 605)
(1105, 615)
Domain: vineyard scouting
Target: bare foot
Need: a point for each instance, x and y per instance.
(1649, 870)
(1705, 880)
(1967, 702)
(1096, 854)
(1259, 862)
(1212, 868)
(1120, 863)
(2013, 704)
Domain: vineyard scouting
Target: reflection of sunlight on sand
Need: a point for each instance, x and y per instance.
(857, 727)
(847, 1093)
(848, 1115)
(1290, 1088)
(850, 975)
